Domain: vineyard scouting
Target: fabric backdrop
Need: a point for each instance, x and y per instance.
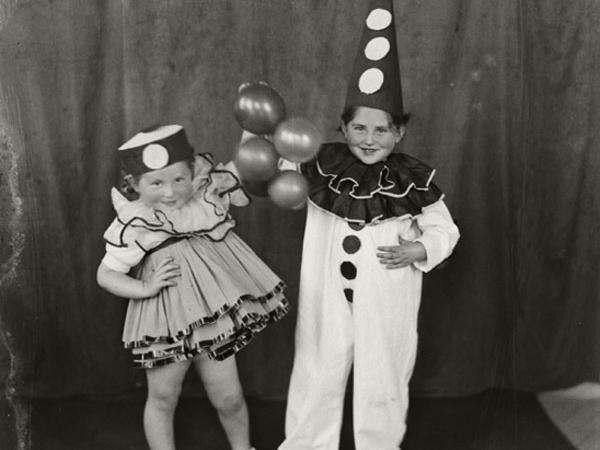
(503, 97)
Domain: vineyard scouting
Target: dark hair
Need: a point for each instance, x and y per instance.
(126, 181)
(397, 121)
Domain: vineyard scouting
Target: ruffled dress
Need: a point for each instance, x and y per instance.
(225, 293)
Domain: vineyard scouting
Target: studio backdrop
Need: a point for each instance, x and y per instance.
(503, 97)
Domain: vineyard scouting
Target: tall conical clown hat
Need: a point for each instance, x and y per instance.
(154, 149)
(375, 79)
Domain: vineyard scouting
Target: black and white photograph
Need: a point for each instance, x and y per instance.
(299, 225)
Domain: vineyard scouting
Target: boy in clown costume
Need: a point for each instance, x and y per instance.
(375, 223)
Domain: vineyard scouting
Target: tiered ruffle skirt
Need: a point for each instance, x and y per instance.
(224, 296)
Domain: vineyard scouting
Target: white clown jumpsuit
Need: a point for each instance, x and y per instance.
(354, 311)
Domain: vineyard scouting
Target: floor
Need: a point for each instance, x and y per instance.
(576, 412)
(494, 420)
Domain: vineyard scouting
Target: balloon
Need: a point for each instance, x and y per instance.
(256, 159)
(258, 108)
(297, 139)
(288, 189)
(256, 188)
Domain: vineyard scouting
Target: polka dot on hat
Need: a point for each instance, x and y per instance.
(379, 19)
(371, 80)
(377, 48)
(155, 156)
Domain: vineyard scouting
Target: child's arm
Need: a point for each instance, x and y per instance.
(122, 285)
(440, 234)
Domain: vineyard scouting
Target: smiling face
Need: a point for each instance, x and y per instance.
(370, 134)
(168, 188)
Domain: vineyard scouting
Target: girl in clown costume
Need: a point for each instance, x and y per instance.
(375, 223)
(197, 292)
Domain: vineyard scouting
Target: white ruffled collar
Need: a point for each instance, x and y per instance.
(207, 211)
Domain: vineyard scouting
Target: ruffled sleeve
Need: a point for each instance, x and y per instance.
(132, 233)
(222, 182)
(120, 256)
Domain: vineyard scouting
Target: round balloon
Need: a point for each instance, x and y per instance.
(258, 108)
(256, 159)
(288, 189)
(297, 139)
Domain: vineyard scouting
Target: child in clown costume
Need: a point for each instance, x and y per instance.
(375, 223)
(197, 292)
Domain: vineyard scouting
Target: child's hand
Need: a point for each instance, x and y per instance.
(160, 277)
(402, 255)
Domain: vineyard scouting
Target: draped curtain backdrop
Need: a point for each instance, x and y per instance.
(503, 97)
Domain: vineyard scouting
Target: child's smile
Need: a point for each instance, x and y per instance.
(369, 151)
(168, 188)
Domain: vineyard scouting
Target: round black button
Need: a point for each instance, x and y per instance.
(351, 244)
(349, 293)
(348, 270)
(356, 226)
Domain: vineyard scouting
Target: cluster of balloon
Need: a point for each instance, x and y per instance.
(260, 110)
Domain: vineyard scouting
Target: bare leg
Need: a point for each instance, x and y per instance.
(164, 387)
(224, 390)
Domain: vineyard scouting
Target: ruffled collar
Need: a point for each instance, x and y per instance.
(206, 213)
(357, 192)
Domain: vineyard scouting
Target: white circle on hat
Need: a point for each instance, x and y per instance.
(370, 81)
(155, 156)
(377, 48)
(378, 19)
